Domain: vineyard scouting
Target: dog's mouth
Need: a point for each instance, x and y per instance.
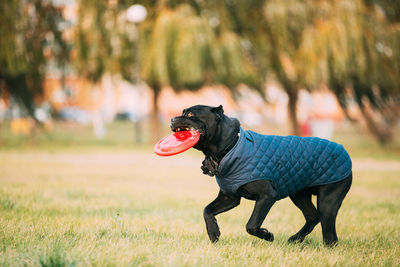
(180, 129)
(179, 125)
(186, 128)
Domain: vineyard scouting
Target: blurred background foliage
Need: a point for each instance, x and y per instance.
(30, 32)
(351, 46)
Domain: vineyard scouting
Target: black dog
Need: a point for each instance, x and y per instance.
(266, 169)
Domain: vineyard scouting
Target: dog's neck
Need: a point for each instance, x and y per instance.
(223, 140)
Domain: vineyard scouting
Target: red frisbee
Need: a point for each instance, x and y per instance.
(176, 143)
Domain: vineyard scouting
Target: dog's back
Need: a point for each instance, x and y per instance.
(292, 163)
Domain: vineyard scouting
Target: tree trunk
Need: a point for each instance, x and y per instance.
(292, 111)
(285, 82)
(381, 133)
(156, 132)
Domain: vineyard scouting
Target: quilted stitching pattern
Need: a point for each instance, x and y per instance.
(291, 162)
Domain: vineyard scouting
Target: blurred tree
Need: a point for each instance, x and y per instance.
(351, 45)
(173, 55)
(31, 36)
(97, 39)
(178, 49)
(181, 50)
(274, 30)
(103, 46)
(287, 23)
(363, 62)
(347, 44)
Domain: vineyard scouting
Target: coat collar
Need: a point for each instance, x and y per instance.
(235, 153)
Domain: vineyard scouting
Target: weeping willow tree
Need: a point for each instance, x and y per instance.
(287, 24)
(188, 44)
(359, 60)
(350, 45)
(181, 50)
(94, 36)
(377, 89)
(30, 37)
(274, 30)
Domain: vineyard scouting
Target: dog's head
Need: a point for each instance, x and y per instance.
(203, 119)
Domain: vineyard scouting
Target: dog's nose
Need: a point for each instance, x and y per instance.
(173, 119)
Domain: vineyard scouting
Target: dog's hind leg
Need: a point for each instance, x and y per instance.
(264, 194)
(303, 201)
(253, 226)
(329, 200)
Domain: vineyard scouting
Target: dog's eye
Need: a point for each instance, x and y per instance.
(190, 114)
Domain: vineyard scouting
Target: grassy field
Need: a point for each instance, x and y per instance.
(80, 203)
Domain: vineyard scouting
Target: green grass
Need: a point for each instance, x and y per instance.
(66, 135)
(116, 205)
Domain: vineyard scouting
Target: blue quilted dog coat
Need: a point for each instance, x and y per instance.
(292, 163)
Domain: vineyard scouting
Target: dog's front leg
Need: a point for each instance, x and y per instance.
(222, 203)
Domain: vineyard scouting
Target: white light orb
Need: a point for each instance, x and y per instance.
(136, 13)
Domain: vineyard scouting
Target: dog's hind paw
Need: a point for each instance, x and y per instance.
(265, 234)
(296, 239)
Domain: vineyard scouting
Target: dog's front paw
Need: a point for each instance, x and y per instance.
(213, 232)
(205, 169)
(265, 234)
(209, 167)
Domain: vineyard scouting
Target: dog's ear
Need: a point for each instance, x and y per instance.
(219, 111)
